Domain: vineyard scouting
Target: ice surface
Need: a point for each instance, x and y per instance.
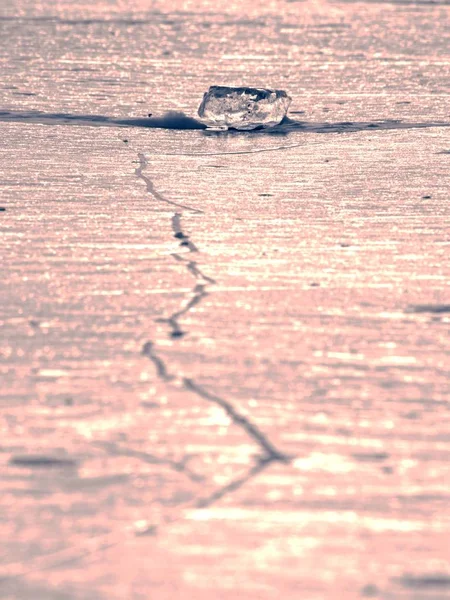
(242, 107)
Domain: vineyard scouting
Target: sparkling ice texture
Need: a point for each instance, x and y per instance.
(242, 107)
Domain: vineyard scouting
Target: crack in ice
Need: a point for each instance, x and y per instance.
(199, 292)
(269, 454)
(139, 171)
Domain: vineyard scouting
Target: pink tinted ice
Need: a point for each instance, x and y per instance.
(243, 108)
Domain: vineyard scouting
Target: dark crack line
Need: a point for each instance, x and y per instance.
(180, 235)
(176, 331)
(179, 466)
(271, 453)
(161, 370)
(139, 171)
(193, 268)
(199, 291)
(196, 272)
(199, 294)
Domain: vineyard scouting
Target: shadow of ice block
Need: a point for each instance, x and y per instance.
(242, 107)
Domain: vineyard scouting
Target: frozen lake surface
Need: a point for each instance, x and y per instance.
(224, 357)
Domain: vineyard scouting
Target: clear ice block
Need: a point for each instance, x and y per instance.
(242, 107)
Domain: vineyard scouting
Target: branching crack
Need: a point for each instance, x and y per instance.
(199, 292)
(268, 452)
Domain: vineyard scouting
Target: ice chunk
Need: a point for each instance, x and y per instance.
(242, 107)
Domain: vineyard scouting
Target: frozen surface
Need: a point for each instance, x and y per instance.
(243, 108)
(224, 358)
